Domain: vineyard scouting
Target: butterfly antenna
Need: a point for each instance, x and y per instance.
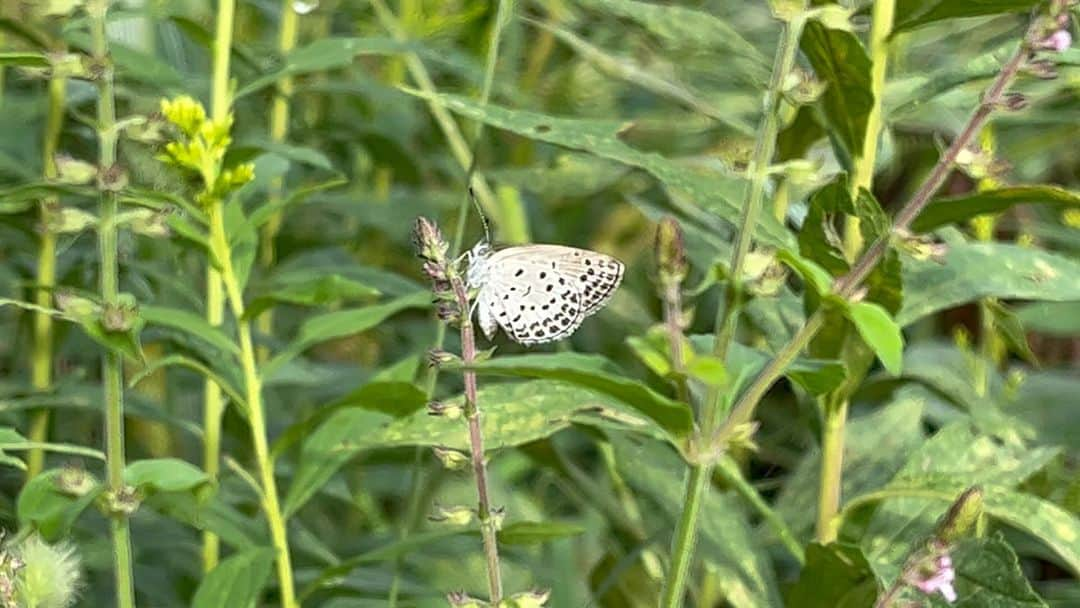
(480, 212)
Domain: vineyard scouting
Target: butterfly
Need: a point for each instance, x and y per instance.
(539, 293)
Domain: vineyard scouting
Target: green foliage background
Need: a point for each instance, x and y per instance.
(604, 116)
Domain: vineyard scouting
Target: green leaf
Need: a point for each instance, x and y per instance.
(913, 13)
(1060, 319)
(841, 62)
(626, 69)
(323, 55)
(24, 59)
(537, 532)
(956, 209)
(236, 581)
(880, 332)
(988, 575)
(355, 413)
(310, 291)
(601, 375)
(726, 540)
(835, 576)
(191, 323)
(42, 505)
(228, 386)
(164, 475)
(710, 189)
(1011, 330)
(1020, 273)
(343, 323)
(687, 28)
(814, 275)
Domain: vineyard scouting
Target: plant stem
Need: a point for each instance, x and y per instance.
(112, 378)
(832, 462)
(476, 444)
(672, 297)
(729, 470)
(836, 404)
(279, 129)
(700, 471)
(682, 549)
(459, 148)
(41, 359)
(764, 148)
(847, 285)
(213, 401)
(253, 395)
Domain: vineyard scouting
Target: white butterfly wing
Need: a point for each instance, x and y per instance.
(542, 293)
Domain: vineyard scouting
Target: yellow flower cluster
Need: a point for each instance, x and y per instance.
(201, 148)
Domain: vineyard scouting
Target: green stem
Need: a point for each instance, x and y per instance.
(112, 371)
(213, 400)
(682, 548)
(256, 415)
(758, 169)
(832, 461)
(459, 148)
(279, 129)
(42, 356)
(726, 322)
(836, 407)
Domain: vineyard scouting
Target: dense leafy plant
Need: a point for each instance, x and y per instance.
(840, 370)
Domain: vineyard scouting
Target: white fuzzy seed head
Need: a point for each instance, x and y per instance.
(51, 574)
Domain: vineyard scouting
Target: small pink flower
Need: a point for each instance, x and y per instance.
(940, 580)
(1058, 41)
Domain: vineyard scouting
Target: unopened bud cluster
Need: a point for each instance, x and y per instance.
(432, 249)
(670, 253)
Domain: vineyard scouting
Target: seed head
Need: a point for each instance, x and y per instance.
(670, 252)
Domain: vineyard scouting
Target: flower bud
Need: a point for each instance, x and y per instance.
(454, 516)
(536, 598)
(187, 114)
(429, 241)
(963, 516)
(450, 458)
(75, 481)
(73, 171)
(119, 316)
(147, 129)
(124, 501)
(438, 358)
(450, 411)
(68, 220)
(113, 179)
(458, 599)
(1015, 102)
(76, 306)
(1042, 68)
(496, 517)
(670, 252)
(1056, 42)
(68, 65)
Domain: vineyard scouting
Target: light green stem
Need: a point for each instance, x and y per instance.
(279, 129)
(42, 356)
(700, 471)
(835, 411)
(112, 371)
(256, 415)
(682, 549)
(213, 400)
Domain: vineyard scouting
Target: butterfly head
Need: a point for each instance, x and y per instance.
(477, 258)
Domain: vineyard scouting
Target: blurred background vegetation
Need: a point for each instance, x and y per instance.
(604, 116)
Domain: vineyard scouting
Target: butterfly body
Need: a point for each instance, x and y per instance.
(539, 293)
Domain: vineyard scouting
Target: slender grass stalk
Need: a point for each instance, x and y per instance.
(701, 471)
(846, 286)
(416, 486)
(459, 147)
(42, 357)
(256, 414)
(836, 406)
(213, 400)
(112, 370)
(279, 129)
